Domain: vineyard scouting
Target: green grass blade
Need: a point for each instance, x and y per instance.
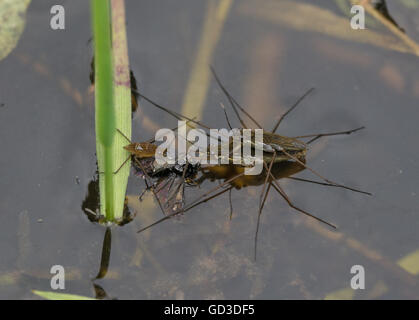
(51, 295)
(122, 94)
(113, 103)
(12, 24)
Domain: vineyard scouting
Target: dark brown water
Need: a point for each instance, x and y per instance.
(47, 158)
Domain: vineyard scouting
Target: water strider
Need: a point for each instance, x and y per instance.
(278, 150)
(166, 182)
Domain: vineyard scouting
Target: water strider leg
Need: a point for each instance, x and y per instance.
(263, 196)
(287, 199)
(314, 182)
(195, 202)
(126, 160)
(210, 198)
(267, 178)
(282, 193)
(173, 113)
(140, 197)
(147, 177)
(323, 178)
(258, 220)
(122, 134)
(231, 203)
(176, 114)
(120, 167)
(226, 116)
(233, 102)
(123, 163)
(320, 135)
(182, 184)
(317, 136)
(276, 186)
(292, 108)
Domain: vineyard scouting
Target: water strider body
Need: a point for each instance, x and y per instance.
(278, 150)
(168, 180)
(284, 148)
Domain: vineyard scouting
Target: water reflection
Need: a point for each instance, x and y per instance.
(91, 205)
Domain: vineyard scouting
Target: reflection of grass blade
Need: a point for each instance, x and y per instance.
(106, 253)
(345, 8)
(412, 4)
(389, 24)
(308, 17)
(197, 87)
(113, 103)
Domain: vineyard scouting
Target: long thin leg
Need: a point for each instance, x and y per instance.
(258, 221)
(220, 186)
(231, 203)
(193, 202)
(319, 135)
(177, 115)
(321, 177)
(262, 200)
(284, 195)
(226, 116)
(209, 198)
(182, 184)
(281, 191)
(123, 163)
(292, 108)
(122, 134)
(233, 102)
(126, 160)
(151, 186)
(277, 125)
(152, 140)
(314, 182)
(267, 178)
(173, 113)
(140, 197)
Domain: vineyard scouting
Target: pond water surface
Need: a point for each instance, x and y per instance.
(47, 161)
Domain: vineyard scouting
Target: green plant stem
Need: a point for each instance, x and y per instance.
(113, 104)
(104, 100)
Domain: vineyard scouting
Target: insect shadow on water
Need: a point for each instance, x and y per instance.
(279, 150)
